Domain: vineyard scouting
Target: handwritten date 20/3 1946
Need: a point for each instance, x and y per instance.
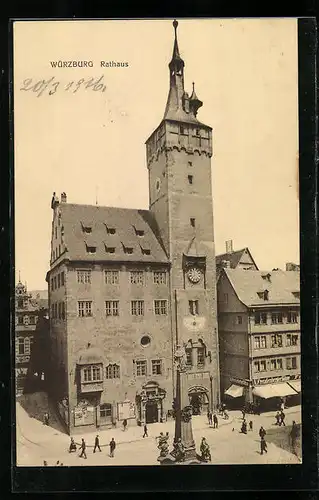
(51, 86)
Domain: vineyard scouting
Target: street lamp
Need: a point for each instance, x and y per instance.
(183, 418)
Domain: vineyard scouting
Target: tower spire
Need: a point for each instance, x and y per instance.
(179, 106)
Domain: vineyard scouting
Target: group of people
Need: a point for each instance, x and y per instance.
(82, 449)
(223, 411)
(212, 419)
(280, 418)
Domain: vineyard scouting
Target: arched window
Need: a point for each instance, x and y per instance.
(112, 371)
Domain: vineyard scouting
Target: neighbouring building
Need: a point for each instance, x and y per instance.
(234, 259)
(27, 310)
(126, 286)
(259, 335)
(290, 266)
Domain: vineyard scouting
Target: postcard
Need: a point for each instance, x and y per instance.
(157, 294)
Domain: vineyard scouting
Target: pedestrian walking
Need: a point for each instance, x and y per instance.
(263, 446)
(277, 418)
(215, 420)
(283, 416)
(96, 443)
(244, 427)
(262, 432)
(145, 431)
(282, 405)
(83, 448)
(72, 446)
(250, 425)
(112, 447)
(124, 424)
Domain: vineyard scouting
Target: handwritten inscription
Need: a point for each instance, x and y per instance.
(52, 86)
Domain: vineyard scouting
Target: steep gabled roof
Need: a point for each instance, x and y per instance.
(234, 258)
(281, 286)
(123, 220)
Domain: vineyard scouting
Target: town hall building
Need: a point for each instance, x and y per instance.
(127, 286)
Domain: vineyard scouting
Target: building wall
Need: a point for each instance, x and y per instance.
(119, 337)
(182, 154)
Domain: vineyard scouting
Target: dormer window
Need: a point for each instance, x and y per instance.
(128, 250)
(110, 230)
(266, 276)
(139, 232)
(90, 249)
(109, 249)
(86, 229)
(263, 295)
(146, 251)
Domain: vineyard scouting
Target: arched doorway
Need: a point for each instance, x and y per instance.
(198, 399)
(151, 412)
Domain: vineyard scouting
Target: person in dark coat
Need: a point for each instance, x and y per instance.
(96, 443)
(263, 446)
(145, 431)
(250, 425)
(244, 427)
(112, 447)
(277, 418)
(262, 432)
(72, 445)
(215, 420)
(124, 424)
(83, 447)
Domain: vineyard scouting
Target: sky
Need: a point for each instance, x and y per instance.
(91, 144)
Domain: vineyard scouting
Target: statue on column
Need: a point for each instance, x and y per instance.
(180, 357)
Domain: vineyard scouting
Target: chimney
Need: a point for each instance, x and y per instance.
(229, 246)
(63, 198)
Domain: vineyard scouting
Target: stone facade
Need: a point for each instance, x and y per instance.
(122, 299)
(26, 318)
(259, 337)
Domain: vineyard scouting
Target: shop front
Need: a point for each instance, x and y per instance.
(237, 395)
(270, 396)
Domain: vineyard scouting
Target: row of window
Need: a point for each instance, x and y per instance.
(137, 308)
(113, 277)
(58, 310)
(24, 345)
(275, 364)
(57, 281)
(94, 373)
(261, 318)
(110, 229)
(27, 320)
(112, 308)
(276, 340)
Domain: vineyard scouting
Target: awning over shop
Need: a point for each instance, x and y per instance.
(235, 391)
(295, 384)
(274, 390)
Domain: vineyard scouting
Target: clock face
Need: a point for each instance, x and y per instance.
(194, 275)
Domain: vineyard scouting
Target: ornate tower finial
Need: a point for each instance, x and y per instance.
(175, 24)
(194, 102)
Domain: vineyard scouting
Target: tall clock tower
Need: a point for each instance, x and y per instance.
(179, 155)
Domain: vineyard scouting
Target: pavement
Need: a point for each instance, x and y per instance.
(37, 442)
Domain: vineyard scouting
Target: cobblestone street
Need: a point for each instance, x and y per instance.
(36, 442)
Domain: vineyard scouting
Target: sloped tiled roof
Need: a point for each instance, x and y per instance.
(123, 220)
(281, 285)
(233, 257)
